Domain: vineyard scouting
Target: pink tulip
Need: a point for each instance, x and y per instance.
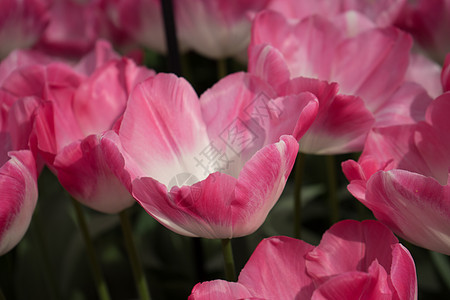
(72, 30)
(67, 131)
(358, 58)
(353, 261)
(21, 23)
(383, 13)
(76, 104)
(403, 177)
(211, 168)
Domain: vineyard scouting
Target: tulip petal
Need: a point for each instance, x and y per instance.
(276, 270)
(219, 289)
(220, 206)
(403, 273)
(163, 114)
(18, 190)
(413, 206)
(357, 244)
(82, 170)
(363, 65)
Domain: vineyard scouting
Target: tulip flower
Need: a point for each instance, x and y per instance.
(21, 23)
(403, 177)
(353, 261)
(211, 168)
(68, 119)
(282, 50)
(350, 51)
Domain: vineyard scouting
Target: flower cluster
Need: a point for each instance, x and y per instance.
(321, 77)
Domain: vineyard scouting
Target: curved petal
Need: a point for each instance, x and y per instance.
(243, 114)
(276, 270)
(413, 206)
(219, 289)
(357, 244)
(406, 106)
(106, 91)
(260, 184)
(202, 209)
(163, 114)
(363, 65)
(18, 190)
(84, 173)
(341, 124)
(354, 286)
(20, 121)
(425, 72)
(403, 273)
(220, 206)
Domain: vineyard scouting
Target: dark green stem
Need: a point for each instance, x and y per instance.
(138, 272)
(221, 68)
(230, 271)
(443, 266)
(332, 189)
(37, 234)
(102, 289)
(299, 165)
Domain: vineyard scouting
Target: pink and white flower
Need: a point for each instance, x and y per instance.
(211, 168)
(403, 177)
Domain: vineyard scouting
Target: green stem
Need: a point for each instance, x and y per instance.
(221, 68)
(299, 165)
(138, 272)
(37, 234)
(443, 266)
(100, 283)
(332, 189)
(230, 272)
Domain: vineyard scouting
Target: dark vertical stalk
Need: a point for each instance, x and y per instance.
(171, 37)
(175, 67)
(298, 176)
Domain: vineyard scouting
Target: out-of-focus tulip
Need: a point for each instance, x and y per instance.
(403, 177)
(353, 261)
(358, 58)
(21, 23)
(211, 168)
(429, 23)
(73, 29)
(217, 28)
(77, 103)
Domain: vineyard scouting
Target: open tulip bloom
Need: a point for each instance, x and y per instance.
(211, 168)
(403, 177)
(353, 261)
